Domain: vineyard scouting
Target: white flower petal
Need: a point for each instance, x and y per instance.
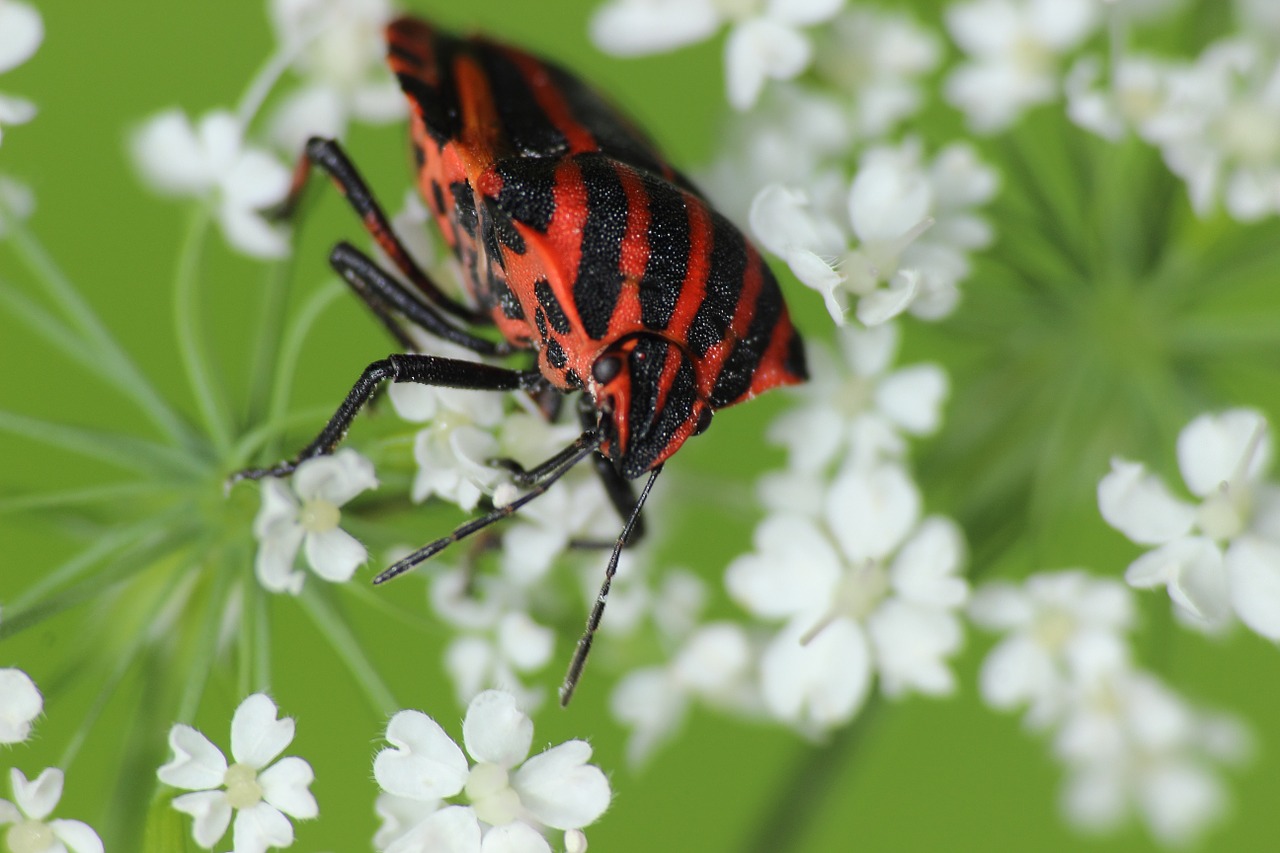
(334, 554)
(821, 684)
(1253, 570)
(1193, 570)
(524, 643)
(560, 789)
(1214, 449)
(38, 797)
(212, 815)
(495, 730)
(197, 764)
(453, 829)
(256, 735)
(337, 478)
(20, 704)
(310, 111)
(912, 397)
(514, 838)
(1000, 606)
(870, 511)
(77, 835)
(261, 827)
(636, 27)
(284, 785)
(170, 156)
(424, 763)
(911, 644)
(793, 569)
(803, 13)
(273, 564)
(9, 813)
(758, 49)
(247, 231)
(21, 32)
(884, 303)
(16, 110)
(1140, 506)
(1016, 671)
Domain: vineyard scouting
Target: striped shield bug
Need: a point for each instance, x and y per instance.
(584, 248)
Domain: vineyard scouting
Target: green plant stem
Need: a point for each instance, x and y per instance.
(291, 348)
(332, 627)
(189, 329)
(201, 664)
(267, 340)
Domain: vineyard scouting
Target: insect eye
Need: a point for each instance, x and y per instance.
(704, 421)
(605, 369)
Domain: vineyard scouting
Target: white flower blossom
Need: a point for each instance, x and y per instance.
(29, 831)
(1134, 97)
(211, 160)
(1221, 555)
(913, 224)
(873, 591)
(307, 518)
(509, 798)
(21, 32)
(1013, 48)
(339, 49)
(1063, 629)
(765, 38)
(20, 704)
(259, 795)
(857, 408)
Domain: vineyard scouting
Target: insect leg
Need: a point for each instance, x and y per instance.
(554, 468)
(422, 369)
(384, 294)
(616, 486)
(579, 661)
(328, 155)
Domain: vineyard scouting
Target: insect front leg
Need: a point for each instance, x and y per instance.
(328, 156)
(422, 369)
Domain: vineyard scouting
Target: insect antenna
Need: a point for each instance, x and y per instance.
(553, 470)
(579, 661)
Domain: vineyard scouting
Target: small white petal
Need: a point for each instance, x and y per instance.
(197, 764)
(37, 797)
(1253, 570)
(525, 644)
(794, 568)
(1016, 671)
(1140, 506)
(514, 838)
(256, 735)
(247, 231)
(261, 827)
(1000, 606)
(821, 684)
(424, 763)
(336, 479)
(635, 27)
(334, 554)
(212, 815)
(713, 658)
(560, 789)
(171, 157)
(912, 397)
(497, 731)
(453, 829)
(310, 111)
(78, 836)
(1193, 571)
(21, 31)
(912, 643)
(925, 568)
(284, 785)
(16, 110)
(273, 565)
(1214, 449)
(870, 511)
(884, 303)
(758, 49)
(803, 13)
(9, 813)
(20, 704)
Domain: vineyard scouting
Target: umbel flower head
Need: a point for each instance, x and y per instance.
(34, 801)
(257, 794)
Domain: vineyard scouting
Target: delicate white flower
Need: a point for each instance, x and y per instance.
(260, 796)
(34, 801)
(338, 47)
(212, 160)
(1219, 556)
(308, 518)
(874, 59)
(1063, 629)
(21, 32)
(20, 704)
(1013, 48)
(913, 224)
(871, 591)
(765, 40)
(712, 666)
(1133, 98)
(857, 408)
(1130, 743)
(509, 797)
(1220, 129)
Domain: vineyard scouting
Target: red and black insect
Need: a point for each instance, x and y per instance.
(583, 247)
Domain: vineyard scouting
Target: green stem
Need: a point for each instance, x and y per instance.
(64, 498)
(266, 350)
(122, 451)
(93, 337)
(262, 648)
(189, 329)
(201, 664)
(291, 348)
(334, 629)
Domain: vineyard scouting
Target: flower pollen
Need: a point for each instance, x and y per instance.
(488, 787)
(243, 790)
(319, 516)
(1055, 629)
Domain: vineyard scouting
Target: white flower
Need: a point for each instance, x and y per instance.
(765, 38)
(260, 798)
(212, 160)
(711, 666)
(1220, 130)
(856, 408)
(21, 32)
(509, 797)
(1063, 629)
(1013, 47)
(1134, 98)
(338, 47)
(871, 591)
(34, 801)
(308, 519)
(913, 225)
(1218, 556)
(20, 704)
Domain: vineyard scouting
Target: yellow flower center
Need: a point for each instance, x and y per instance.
(489, 789)
(243, 790)
(319, 516)
(29, 836)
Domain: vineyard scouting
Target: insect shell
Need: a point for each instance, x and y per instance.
(579, 242)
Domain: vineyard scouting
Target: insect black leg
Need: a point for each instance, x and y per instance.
(554, 468)
(383, 294)
(579, 661)
(422, 369)
(616, 486)
(328, 155)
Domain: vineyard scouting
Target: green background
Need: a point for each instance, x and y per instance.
(917, 774)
